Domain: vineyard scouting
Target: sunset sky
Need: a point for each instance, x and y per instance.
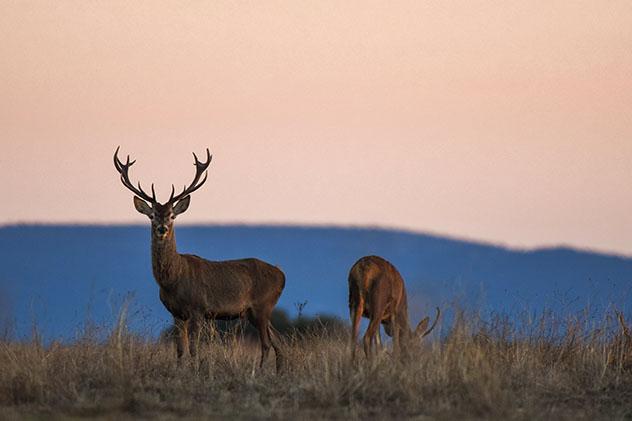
(502, 121)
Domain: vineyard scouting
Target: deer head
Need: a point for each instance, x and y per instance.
(162, 215)
(420, 332)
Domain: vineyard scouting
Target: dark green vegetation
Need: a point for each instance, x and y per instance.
(542, 368)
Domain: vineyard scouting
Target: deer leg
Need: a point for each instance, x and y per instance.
(277, 352)
(356, 316)
(194, 336)
(264, 337)
(369, 335)
(261, 324)
(182, 339)
(396, 336)
(378, 338)
(377, 304)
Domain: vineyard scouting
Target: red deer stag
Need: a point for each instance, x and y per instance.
(193, 288)
(377, 292)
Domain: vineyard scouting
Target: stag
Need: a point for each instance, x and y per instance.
(194, 289)
(377, 292)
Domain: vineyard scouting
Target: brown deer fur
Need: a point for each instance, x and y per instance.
(377, 292)
(194, 289)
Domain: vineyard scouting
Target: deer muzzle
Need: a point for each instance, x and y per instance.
(162, 230)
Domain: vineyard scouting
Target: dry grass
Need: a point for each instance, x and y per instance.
(478, 370)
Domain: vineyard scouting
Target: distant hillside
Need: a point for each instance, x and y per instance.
(59, 276)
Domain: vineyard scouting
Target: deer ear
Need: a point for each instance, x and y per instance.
(182, 205)
(421, 327)
(142, 206)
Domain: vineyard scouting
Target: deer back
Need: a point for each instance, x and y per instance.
(224, 289)
(373, 279)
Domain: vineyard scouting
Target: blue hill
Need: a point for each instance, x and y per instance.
(60, 276)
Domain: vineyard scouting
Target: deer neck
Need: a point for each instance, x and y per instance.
(165, 259)
(404, 326)
(402, 320)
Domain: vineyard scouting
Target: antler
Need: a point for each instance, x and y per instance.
(123, 170)
(200, 167)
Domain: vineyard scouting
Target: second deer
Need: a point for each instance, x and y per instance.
(377, 292)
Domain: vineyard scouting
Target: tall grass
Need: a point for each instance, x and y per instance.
(492, 368)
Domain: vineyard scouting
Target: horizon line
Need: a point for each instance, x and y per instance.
(371, 227)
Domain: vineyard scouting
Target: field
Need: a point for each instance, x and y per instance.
(475, 368)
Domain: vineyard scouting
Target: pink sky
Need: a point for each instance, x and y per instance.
(508, 122)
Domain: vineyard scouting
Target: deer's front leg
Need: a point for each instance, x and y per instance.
(182, 338)
(194, 336)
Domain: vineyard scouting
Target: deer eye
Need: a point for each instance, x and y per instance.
(151, 216)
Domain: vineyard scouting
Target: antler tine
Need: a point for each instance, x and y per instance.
(200, 168)
(117, 163)
(153, 193)
(173, 191)
(205, 164)
(123, 171)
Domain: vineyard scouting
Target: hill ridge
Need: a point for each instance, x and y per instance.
(58, 275)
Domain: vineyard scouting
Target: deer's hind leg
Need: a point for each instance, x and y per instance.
(369, 336)
(356, 308)
(261, 320)
(278, 355)
(377, 305)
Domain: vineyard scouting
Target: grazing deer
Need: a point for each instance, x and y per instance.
(193, 288)
(377, 292)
